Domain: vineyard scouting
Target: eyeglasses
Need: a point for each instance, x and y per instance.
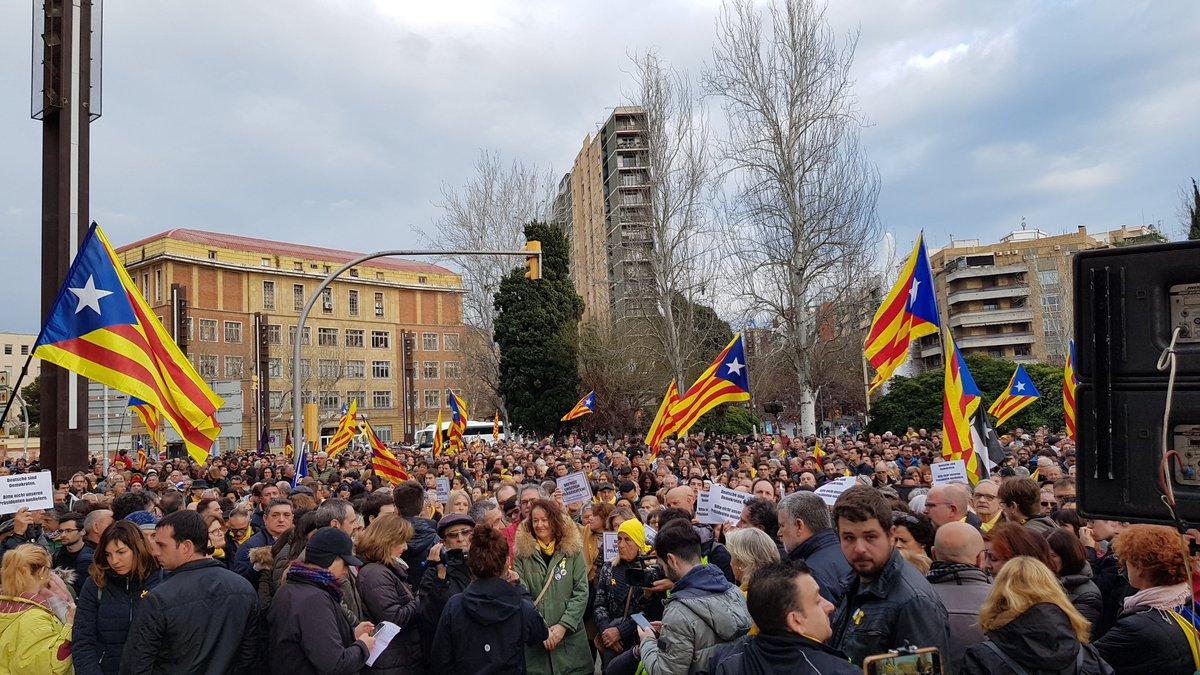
(67, 530)
(1044, 503)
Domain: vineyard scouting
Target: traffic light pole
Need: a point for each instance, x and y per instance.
(533, 262)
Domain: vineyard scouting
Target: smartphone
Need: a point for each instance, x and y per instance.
(916, 662)
(640, 620)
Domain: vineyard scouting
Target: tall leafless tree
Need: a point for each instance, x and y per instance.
(489, 212)
(802, 211)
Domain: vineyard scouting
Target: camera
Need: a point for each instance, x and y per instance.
(454, 556)
(643, 573)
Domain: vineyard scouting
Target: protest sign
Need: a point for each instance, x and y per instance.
(950, 472)
(34, 491)
(443, 490)
(724, 505)
(703, 512)
(834, 489)
(575, 488)
(610, 546)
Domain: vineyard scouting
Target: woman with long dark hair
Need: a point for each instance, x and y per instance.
(122, 573)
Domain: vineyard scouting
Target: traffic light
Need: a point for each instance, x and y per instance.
(533, 263)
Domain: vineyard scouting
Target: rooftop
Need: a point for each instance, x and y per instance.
(237, 242)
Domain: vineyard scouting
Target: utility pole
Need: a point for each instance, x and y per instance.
(65, 98)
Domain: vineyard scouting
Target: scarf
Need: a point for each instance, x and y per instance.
(315, 576)
(1159, 597)
(547, 549)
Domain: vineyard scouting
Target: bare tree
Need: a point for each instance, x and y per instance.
(802, 213)
(675, 242)
(489, 212)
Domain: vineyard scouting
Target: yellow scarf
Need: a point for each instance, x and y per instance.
(547, 549)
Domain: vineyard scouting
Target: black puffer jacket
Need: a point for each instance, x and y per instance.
(423, 539)
(434, 593)
(897, 609)
(1146, 640)
(485, 629)
(201, 619)
(102, 621)
(1040, 642)
(1084, 594)
(387, 597)
(786, 654)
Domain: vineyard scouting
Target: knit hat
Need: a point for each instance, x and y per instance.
(143, 519)
(635, 531)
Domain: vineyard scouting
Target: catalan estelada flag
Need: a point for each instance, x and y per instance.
(960, 401)
(496, 428)
(383, 461)
(727, 380)
(141, 455)
(1070, 381)
(346, 431)
(151, 419)
(586, 406)
(102, 328)
(458, 421)
(438, 446)
(663, 424)
(818, 456)
(1020, 393)
(908, 313)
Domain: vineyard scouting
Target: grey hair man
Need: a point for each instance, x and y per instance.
(807, 533)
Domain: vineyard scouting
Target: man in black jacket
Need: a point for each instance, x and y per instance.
(888, 603)
(448, 573)
(409, 497)
(807, 534)
(202, 618)
(792, 616)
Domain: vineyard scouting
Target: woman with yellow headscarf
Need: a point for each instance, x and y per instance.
(617, 599)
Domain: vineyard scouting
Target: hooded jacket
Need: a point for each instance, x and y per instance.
(1084, 594)
(564, 602)
(102, 620)
(962, 589)
(898, 608)
(32, 638)
(423, 539)
(703, 611)
(1041, 642)
(1146, 640)
(486, 629)
(782, 654)
(823, 554)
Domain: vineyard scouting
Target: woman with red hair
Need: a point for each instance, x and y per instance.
(1009, 540)
(1151, 636)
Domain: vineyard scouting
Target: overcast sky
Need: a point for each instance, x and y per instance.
(337, 122)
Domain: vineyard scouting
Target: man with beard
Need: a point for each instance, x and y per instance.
(887, 602)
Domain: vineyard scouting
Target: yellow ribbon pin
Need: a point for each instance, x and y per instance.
(858, 617)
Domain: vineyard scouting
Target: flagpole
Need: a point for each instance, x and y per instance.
(105, 430)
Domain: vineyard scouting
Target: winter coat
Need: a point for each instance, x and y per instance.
(102, 620)
(714, 553)
(564, 601)
(1041, 642)
(201, 619)
(241, 559)
(83, 564)
(434, 593)
(823, 554)
(616, 601)
(1084, 594)
(962, 590)
(1041, 524)
(1146, 640)
(310, 634)
(487, 628)
(32, 639)
(1114, 588)
(703, 612)
(782, 654)
(898, 608)
(387, 597)
(415, 556)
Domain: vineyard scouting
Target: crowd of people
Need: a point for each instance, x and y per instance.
(234, 567)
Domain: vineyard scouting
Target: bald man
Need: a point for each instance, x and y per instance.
(682, 497)
(957, 578)
(949, 504)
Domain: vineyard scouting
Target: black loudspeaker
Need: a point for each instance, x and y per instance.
(1128, 304)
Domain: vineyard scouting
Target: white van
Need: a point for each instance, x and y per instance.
(475, 431)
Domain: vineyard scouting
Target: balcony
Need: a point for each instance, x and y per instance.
(995, 340)
(992, 317)
(984, 271)
(993, 293)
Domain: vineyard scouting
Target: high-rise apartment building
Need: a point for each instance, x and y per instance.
(1010, 300)
(14, 352)
(604, 207)
(353, 342)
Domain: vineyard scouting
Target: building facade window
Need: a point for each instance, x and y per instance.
(450, 342)
(432, 398)
(208, 330)
(233, 332)
(356, 369)
(207, 364)
(158, 286)
(327, 337)
(384, 434)
(354, 337)
(381, 339)
(274, 334)
(268, 295)
(275, 367)
(327, 300)
(275, 400)
(305, 369)
(379, 304)
(24, 350)
(233, 367)
(8, 350)
(381, 369)
(329, 369)
(430, 370)
(429, 342)
(305, 340)
(381, 399)
(298, 297)
(451, 371)
(352, 301)
(359, 397)
(330, 400)
(190, 334)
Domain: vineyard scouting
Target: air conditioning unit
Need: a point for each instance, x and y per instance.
(327, 305)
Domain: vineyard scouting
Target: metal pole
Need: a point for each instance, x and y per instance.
(297, 427)
(105, 429)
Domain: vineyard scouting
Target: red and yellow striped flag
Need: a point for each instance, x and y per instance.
(383, 461)
(727, 380)
(663, 425)
(960, 402)
(1070, 382)
(908, 313)
(346, 431)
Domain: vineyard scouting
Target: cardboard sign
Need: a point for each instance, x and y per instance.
(725, 505)
(950, 472)
(34, 491)
(703, 508)
(443, 490)
(610, 546)
(834, 489)
(575, 488)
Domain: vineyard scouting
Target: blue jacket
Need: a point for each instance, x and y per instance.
(241, 561)
(102, 620)
(83, 564)
(822, 552)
